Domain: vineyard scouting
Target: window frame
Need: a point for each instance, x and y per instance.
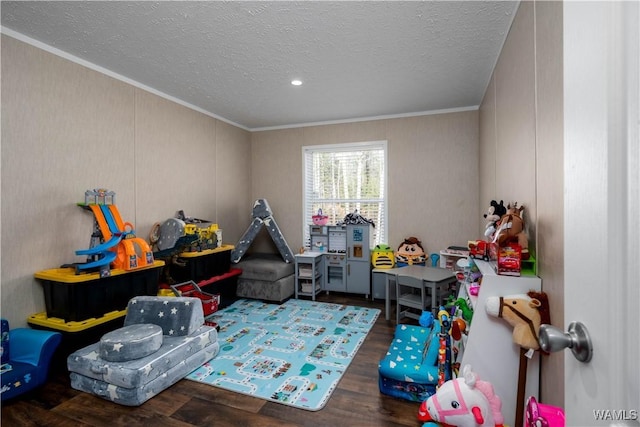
(381, 233)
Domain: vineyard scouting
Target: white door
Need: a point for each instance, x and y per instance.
(602, 209)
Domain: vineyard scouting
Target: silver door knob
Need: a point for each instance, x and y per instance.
(552, 339)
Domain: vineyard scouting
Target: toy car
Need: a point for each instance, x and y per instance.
(479, 250)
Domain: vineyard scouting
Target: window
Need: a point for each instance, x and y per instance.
(346, 178)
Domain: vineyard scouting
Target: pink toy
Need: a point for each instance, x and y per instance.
(319, 218)
(463, 402)
(540, 415)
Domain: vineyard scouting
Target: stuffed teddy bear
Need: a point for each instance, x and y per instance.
(512, 229)
(493, 215)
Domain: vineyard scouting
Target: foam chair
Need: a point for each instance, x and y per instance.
(409, 370)
(26, 356)
(163, 339)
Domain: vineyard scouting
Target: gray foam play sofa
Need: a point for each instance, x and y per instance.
(163, 339)
(265, 277)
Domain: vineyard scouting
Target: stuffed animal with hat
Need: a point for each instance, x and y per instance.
(410, 252)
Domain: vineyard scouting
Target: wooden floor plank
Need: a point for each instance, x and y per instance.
(355, 402)
(199, 412)
(220, 396)
(25, 413)
(98, 412)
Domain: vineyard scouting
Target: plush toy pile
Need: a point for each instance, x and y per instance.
(355, 219)
(511, 229)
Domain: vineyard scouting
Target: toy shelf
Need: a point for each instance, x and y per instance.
(490, 349)
(450, 256)
(308, 271)
(528, 266)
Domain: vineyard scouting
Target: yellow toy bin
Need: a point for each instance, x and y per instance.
(201, 265)
(78, 297)
(75, 335)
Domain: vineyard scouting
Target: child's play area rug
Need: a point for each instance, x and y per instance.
(294, 353)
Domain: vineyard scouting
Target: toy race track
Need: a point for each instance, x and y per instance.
(112, 229)
(118, 244)
(102, 252)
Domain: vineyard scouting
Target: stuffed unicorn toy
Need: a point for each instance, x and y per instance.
(465, 401)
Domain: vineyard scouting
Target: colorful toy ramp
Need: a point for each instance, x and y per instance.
(132, 253)
(109, 220)
(119, 244)
(102, 259)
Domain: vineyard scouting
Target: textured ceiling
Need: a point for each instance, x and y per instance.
(235, 59)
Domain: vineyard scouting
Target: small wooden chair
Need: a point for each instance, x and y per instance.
(410, 294)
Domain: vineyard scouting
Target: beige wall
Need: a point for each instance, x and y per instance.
(66, 129)
(521, 154)
(433, 169)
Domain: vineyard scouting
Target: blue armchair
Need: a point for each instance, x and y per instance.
(26, 355)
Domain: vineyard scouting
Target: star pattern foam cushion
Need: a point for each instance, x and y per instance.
(176, 316)
(131, 342)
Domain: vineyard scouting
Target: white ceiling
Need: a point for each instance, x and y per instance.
(234, 60)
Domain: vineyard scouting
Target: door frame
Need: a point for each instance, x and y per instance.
(602, 206)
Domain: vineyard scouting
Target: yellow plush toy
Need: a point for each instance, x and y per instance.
(382, 256)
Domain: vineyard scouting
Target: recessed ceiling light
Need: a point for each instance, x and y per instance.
(296, 82)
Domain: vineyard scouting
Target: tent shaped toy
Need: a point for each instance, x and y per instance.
(262, 216)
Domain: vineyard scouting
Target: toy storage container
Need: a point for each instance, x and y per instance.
(77, 297)
(76, 335)
(224, 285)
(210, 302)
(202, 265)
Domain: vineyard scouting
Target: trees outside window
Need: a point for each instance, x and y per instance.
(346, 178)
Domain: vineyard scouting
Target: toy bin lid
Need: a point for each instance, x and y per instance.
(54, 323)
(68, 274)
(221, 248)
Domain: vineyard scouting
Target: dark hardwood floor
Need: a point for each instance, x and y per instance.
(356, 401)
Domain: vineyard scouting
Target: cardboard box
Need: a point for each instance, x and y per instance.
(510, 260)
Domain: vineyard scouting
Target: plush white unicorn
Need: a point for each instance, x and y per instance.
(465, 401)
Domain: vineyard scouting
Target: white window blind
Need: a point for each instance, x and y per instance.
(346, 178)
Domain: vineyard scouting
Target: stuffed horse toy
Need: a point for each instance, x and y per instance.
(525, 313)
(465, 401)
